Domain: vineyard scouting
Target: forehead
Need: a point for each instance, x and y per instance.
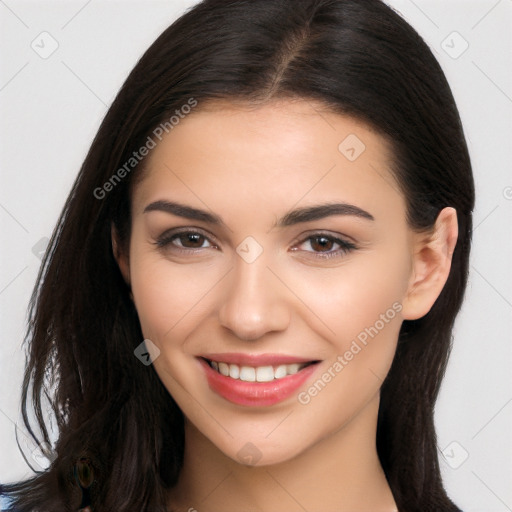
(261, 157)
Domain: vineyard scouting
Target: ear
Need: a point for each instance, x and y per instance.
(432, 259)
(119, 255)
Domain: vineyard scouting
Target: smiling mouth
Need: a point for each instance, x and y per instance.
(266, 373)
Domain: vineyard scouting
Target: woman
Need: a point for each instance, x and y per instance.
(279, 204)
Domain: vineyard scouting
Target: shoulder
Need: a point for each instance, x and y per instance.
(5, 504)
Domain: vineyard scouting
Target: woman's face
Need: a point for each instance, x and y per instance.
(271, 245)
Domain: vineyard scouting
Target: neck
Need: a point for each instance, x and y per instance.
(341, 473)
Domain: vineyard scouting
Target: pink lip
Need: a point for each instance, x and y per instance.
(254, 359)
(256, 394)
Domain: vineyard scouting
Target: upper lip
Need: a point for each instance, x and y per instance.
(256, 359)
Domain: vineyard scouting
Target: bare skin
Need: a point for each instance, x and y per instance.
(317, 285)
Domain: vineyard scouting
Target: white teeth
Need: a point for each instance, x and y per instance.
(224, 369)
(264, 373)
(247, 374)
(280, 372)
(256, 374)
(234, 371)
(292, 369)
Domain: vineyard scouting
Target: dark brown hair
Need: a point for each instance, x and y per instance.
(114, 416)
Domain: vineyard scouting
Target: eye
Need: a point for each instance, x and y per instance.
(185, 240)
(324, 245)
(190, 241)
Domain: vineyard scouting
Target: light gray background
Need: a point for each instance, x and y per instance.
(51, 108)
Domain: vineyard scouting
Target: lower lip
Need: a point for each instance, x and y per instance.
(255, 394)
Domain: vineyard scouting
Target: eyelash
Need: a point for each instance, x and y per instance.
(167, 238)
(344, 245)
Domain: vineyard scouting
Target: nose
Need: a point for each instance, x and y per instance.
(255, 302)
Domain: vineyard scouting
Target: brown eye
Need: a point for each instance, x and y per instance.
(324, 246)
(321, 243)
(190, 240)
(185, 241)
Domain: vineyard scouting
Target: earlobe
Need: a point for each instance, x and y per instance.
(432, 260)
(120, 256)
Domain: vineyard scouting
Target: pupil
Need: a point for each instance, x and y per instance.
(192, 240)
(322, 244)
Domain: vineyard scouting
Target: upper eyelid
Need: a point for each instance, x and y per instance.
(343, 247)
(337, 237)
(168, 233)
(334, 236)
(166, 239)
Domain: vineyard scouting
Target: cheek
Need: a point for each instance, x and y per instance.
(168, 296)
(365, 292)
(363, 309)
(359, 306)
(170, 302)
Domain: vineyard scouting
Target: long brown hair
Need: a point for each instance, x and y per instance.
(114, 416)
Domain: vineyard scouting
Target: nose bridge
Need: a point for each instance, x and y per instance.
(253, 304)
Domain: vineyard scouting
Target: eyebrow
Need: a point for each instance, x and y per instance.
(181, 210)
(297, 216)
(312, 213)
